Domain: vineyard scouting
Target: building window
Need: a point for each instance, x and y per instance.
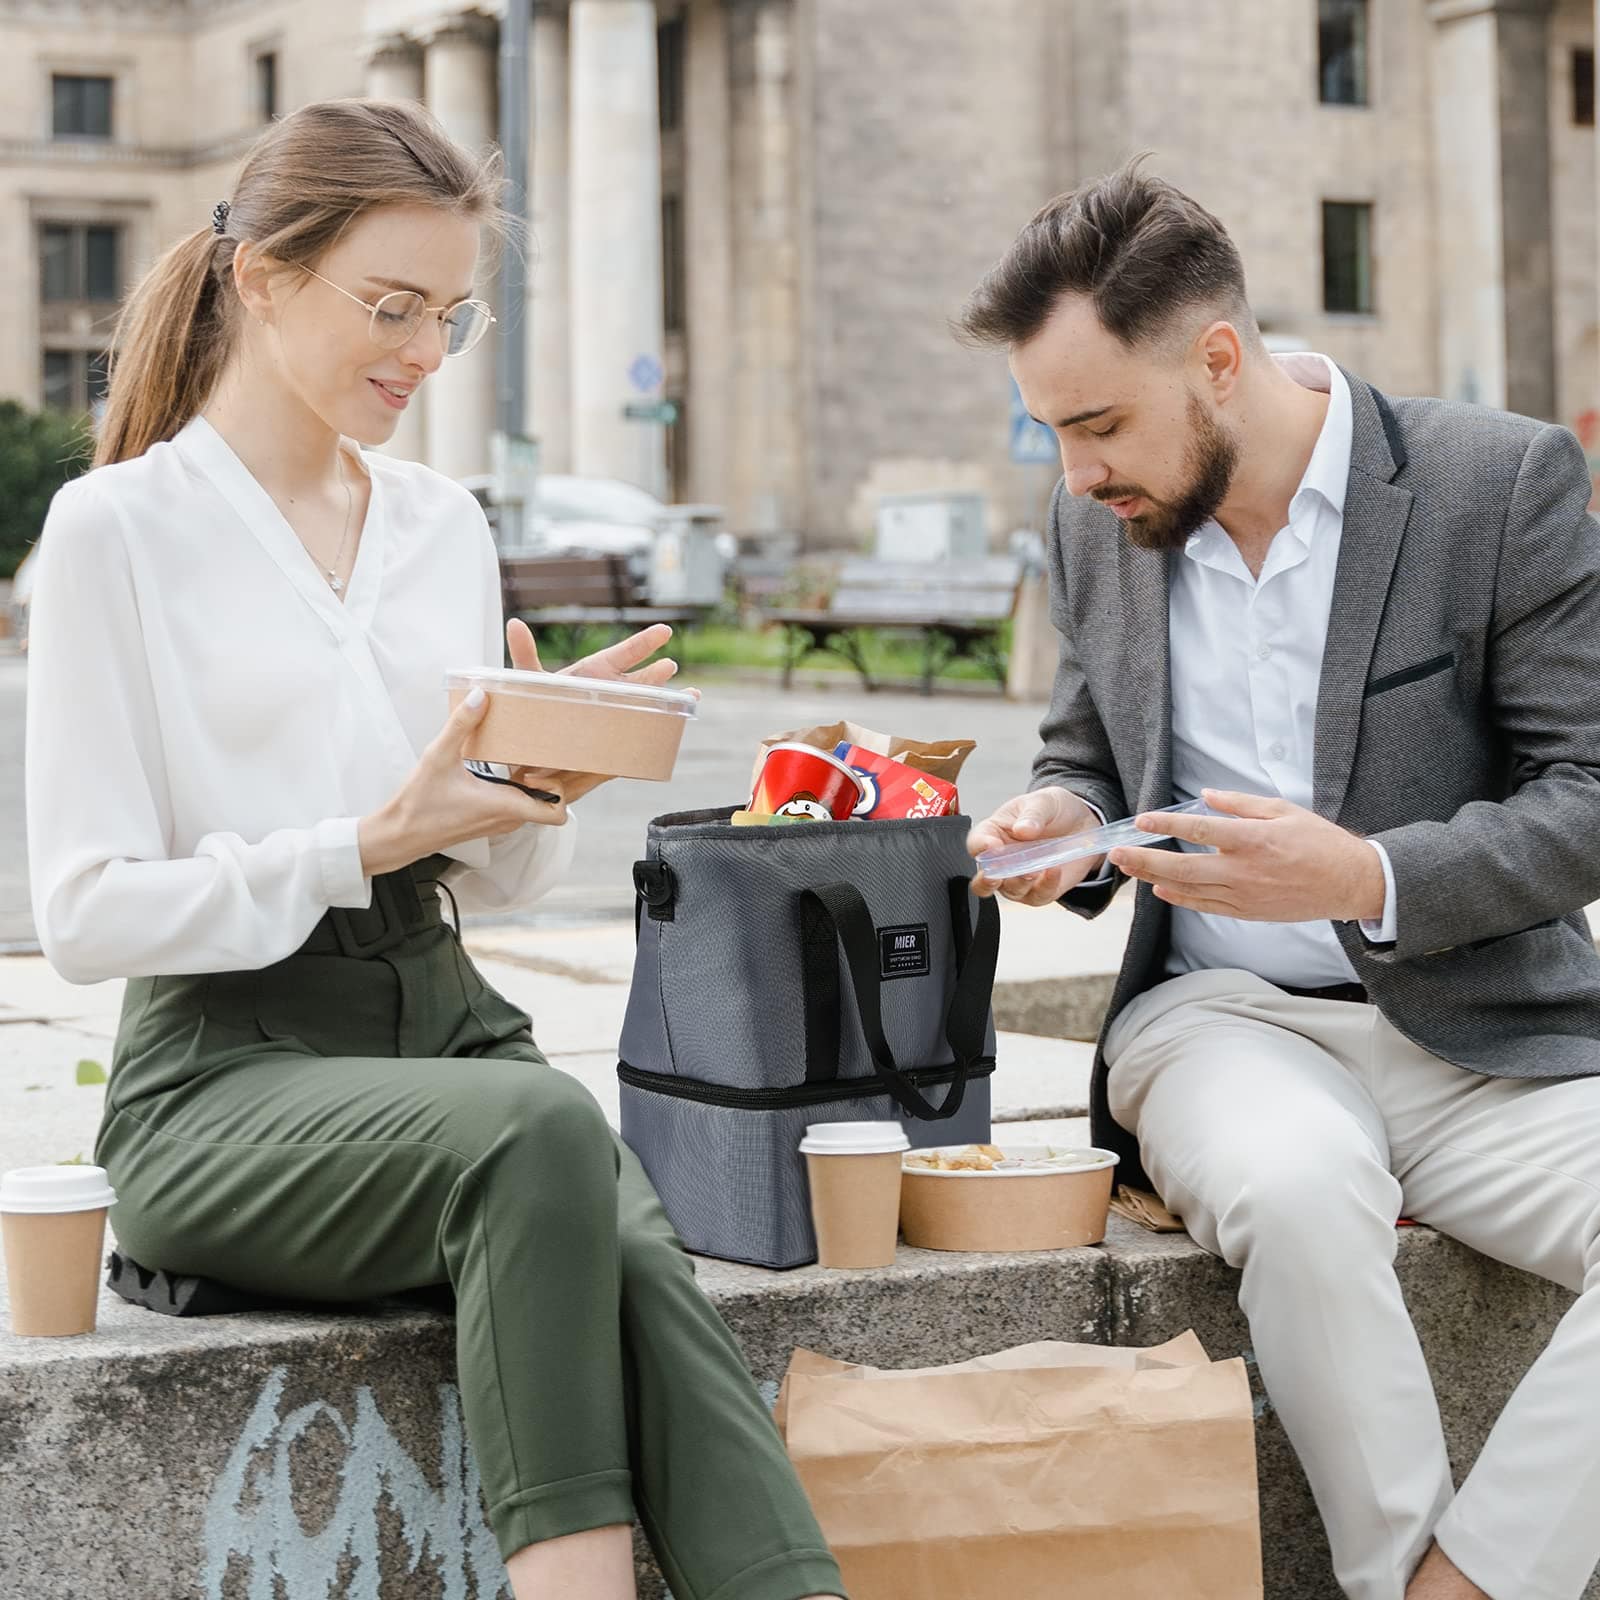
(1583, 87)
(1342, 52)
(80, 108)
(76, 380)
(80, 263)
(1347, 257)
(669, 73)
(672, 263)
(266, 85)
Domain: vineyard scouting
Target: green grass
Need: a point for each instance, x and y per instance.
(890, 656)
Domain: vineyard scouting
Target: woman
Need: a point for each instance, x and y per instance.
(241, 628)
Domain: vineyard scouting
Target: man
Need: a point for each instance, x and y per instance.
(1367, 632)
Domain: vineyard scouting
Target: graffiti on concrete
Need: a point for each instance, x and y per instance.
(251, 1518)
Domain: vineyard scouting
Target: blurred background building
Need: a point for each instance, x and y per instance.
(763, 212)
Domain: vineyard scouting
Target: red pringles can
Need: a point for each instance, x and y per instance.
(797, 780)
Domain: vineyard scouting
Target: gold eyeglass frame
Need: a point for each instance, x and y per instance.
(373, 308)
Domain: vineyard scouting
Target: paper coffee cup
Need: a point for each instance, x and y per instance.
(854, 1169)
(53, 1220)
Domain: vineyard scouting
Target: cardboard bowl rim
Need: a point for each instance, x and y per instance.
(1109, 1158)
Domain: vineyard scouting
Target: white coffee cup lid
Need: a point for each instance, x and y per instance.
(853, 1139)
(62, 1188)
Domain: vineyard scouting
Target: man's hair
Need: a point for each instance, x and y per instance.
(1143, 251)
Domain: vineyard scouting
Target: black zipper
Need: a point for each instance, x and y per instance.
(800, 1094)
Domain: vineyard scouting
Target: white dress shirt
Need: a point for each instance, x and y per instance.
(207, 722)
(1245, 661)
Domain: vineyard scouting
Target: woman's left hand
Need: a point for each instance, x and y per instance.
(617, 663)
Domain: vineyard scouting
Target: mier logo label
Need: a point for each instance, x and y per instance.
(903, 951)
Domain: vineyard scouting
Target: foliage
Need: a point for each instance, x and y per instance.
(39, 451)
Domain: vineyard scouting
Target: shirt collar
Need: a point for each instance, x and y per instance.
(1326, 472)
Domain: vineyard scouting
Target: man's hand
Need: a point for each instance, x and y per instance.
(618, 663)
(1045, 814)
(1273, 862)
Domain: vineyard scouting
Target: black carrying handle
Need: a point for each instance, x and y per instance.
(833, 916)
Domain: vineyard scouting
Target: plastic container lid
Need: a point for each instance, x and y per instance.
(571, 689)
(853, 1139)
(1038, 856)
(1060, 1163)
(36, 1190)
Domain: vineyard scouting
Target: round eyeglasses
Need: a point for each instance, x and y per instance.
(397, 316)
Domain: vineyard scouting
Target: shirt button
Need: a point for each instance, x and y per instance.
(1276, 752)
(1265, 652)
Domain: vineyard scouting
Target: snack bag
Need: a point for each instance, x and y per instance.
(895, 789)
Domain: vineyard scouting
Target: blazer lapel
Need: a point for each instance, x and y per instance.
(1375, 514)
(1142, 581)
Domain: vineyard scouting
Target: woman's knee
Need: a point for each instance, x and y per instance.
(547, 1122)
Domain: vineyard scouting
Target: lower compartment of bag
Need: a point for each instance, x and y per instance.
(727, 1164)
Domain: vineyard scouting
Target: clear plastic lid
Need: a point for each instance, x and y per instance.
(1016, 1161)
(572, 689)
(1019, 859)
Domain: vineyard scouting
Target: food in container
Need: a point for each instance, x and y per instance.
(1005, 1197)
(894, 789)
(798, 781)
(567, 723)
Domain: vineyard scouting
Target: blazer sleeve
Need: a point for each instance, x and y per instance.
(1075, 752)
(1497, 867)
(109, 901)
(526, 864)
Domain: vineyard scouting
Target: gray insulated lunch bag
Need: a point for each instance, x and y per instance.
(819, 972)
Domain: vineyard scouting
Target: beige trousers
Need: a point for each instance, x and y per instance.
(1290, 1135)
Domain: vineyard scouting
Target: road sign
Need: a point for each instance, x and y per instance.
(1031, 442)
(645, 374)
(664, 411)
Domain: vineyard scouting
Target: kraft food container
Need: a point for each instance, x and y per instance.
(1021, 1208)
(566, 723)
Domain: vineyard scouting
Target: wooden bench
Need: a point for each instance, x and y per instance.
(559, 595)
(959, 607)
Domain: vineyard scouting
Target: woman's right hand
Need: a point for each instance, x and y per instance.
(442, 804)
(1051, 813)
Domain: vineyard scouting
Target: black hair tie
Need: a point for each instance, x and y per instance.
(219, 217)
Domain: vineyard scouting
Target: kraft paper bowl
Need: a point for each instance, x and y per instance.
(1008, 1209)
(568, 723)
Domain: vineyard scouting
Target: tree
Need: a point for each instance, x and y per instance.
(39, 451)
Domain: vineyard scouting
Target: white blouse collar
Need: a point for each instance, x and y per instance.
(207, 450)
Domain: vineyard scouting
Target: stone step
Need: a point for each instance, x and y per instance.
(209, 1459)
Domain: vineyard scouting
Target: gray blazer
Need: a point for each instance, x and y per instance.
(1458, 722)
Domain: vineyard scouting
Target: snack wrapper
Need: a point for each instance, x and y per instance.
(938, 759)
(897, 789)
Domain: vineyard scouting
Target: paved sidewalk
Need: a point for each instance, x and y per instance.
(573, 980)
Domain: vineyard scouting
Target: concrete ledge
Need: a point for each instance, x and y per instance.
(188, 1460)
(1055, 1008)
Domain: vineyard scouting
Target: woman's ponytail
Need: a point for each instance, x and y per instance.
(171, 341)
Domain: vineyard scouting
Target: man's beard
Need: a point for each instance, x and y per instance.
(1209, 463)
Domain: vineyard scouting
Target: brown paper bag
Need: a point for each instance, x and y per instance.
(941, 759)
(1048, 1472)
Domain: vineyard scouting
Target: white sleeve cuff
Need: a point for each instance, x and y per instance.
(1385, 929)
(339, 854)
(1107, 872)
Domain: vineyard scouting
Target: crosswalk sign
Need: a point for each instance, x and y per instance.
(1031, 442)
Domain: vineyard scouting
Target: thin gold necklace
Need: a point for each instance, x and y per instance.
(335, 582)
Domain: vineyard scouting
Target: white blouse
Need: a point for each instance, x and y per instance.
(207, 722)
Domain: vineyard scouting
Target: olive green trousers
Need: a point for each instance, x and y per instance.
(369, 1117)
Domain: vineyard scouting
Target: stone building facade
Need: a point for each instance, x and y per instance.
(766, 211)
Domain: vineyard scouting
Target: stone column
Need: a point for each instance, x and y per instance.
(768, 390)
(708, 235)
(394, 72)
(1491, 112)
(615, 221)
(549, 310)
(459, 80)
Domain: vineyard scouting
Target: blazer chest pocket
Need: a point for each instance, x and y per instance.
(1423, 669)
